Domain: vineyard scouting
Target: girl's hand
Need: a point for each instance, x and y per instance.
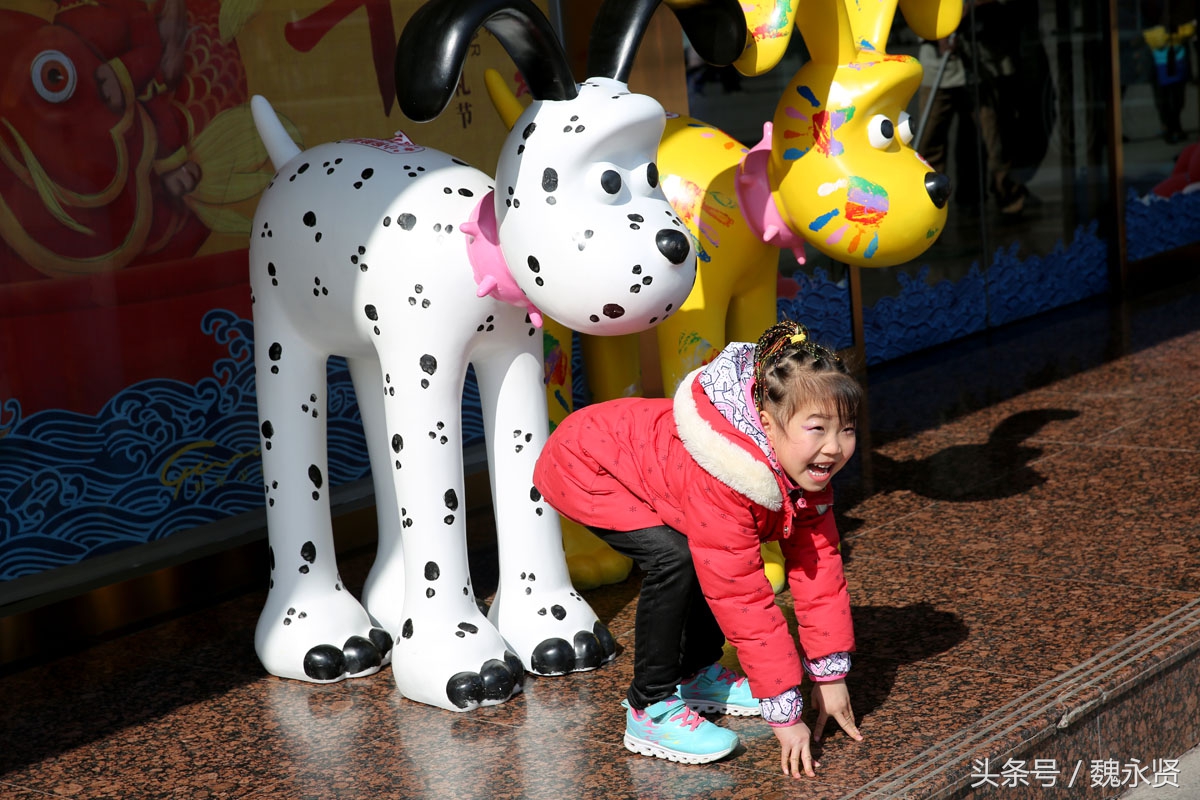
(794, 740)
(832, 699)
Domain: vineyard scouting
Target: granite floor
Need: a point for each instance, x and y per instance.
(1022, 543)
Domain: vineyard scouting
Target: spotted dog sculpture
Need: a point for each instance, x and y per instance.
(412, 265)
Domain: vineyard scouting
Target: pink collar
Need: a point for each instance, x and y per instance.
(753, 187)
(492, 275)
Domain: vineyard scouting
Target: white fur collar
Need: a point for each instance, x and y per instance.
(721, 457)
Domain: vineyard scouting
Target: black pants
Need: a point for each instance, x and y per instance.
(675, 634)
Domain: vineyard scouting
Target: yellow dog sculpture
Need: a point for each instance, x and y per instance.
(835, 171)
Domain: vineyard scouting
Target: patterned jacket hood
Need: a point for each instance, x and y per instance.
(719, 426)
(737, 452)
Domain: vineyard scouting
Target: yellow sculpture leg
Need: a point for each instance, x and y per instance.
(613, 366)
(590, 561)
(773, 566)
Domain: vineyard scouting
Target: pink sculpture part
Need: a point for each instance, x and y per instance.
(487, 259)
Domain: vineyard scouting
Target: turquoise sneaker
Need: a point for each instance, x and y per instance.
(716, 689)
(669, 729)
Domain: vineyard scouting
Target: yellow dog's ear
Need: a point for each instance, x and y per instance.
(825, 26)
(768, 32)
(503, 100)
(932, 19)
(871, 22)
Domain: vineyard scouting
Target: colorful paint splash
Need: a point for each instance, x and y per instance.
(775, 25)
(823, 220)
(695, 351)
(713, 213)
(824, 130)
(866, 202)
(866, 207)
(807, 93)
(556, 361)
(685, 196)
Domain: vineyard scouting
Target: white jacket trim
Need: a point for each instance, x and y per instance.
(721, 457)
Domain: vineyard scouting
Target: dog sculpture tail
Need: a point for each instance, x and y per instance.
(274, 135)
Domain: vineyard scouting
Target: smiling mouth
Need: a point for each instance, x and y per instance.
(820, 472)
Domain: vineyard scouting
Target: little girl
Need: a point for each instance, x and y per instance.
(690, 489)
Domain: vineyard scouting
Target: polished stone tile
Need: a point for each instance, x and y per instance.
(900, 711)
(1016, 624)
(1107, 477)
(1175, 427)
(205, 748)
(857, 515)
(1022, 425)
(93, 696)
(960, 471)
(1047, 539)
(11, 791)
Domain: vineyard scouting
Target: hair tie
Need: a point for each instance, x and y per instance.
(771, 345)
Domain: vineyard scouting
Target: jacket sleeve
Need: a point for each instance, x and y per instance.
(818, 585)
(722, 530)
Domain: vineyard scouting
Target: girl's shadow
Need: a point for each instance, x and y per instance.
(887, 638)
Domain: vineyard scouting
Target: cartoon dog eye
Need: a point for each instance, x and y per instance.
(881, 131)
(905, 128)
(608, 182)
(652, 175)
(53, 74)
(643, 180)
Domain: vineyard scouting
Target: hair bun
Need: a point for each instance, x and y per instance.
(773, 339)
(782, 338)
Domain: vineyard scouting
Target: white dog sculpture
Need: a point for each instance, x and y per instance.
(412, 264)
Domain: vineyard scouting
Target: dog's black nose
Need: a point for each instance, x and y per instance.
(673, 244)
(938, 187)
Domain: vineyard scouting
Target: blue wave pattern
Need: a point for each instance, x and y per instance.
(924, 315)
(1160, 224)
(162, 456)
(1019, 288)
(823, 306)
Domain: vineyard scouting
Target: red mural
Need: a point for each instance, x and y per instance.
(97, 118)
(129, 167)
(117, 160)
(306, 33)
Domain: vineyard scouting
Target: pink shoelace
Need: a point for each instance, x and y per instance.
(687, 718)
(730, 677)
(724, 676)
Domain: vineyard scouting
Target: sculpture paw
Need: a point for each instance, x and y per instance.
(495, 682)
(321, 638)
(559, 657)
(357, 657)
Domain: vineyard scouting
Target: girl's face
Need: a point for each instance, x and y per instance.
(812, 446)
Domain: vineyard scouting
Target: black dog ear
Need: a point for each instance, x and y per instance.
(716, 29)
(434, 43)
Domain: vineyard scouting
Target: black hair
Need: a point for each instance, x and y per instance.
(789, 369)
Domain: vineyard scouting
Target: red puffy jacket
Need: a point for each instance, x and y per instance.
(695, 464)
